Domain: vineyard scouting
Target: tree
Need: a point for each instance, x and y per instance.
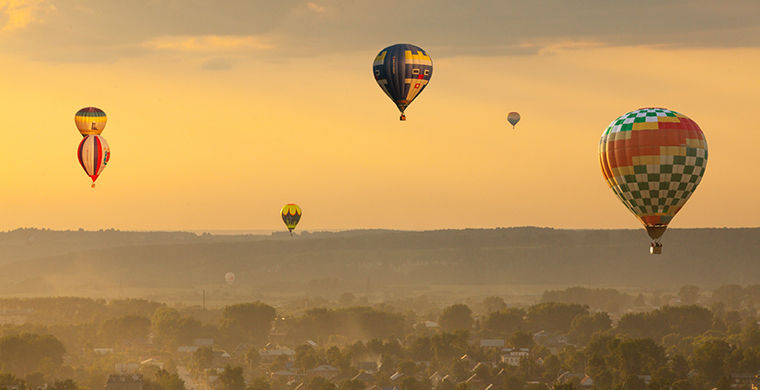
(710, 357)
(67, 384)
(552, 368)
(35, 379)
(494, 304)
(688, 320)
(750, 335)
(232, 378)
(171, 329)
(408, 368)
(346, 299)
(352, 322)
(11, 380)
(521, 340)
(248, 321)
(456, 317)
(638, 357)
(688, 294)
(731, 296)
(28, 352)
(353, 384)
(127, 329)
(252, 358)
(412, 383)
(584, 326)
(165, 380)
(421, 349)
(259, 383)
(448, 346)
(633, 382)
(505, 322)
(683, 384)
(662, 379)
(553, 317)
(203, 358)
(306, 357)
(319, 383)
(338, 359)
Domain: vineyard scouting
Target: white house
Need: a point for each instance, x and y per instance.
(512, 356)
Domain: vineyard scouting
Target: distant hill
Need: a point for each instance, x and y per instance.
(43, 262)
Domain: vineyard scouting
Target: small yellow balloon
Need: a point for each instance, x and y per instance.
(291, 214)
(90, 121)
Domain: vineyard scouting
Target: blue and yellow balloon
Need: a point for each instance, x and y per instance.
(402, 71)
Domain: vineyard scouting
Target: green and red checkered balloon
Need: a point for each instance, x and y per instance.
(653, 159)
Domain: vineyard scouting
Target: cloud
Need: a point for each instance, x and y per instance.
(107, 30)
(17, 14)
(207, 43)
(315, 7)
(217, 64)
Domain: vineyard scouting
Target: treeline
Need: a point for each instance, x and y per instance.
(377, 261)
(725, 297)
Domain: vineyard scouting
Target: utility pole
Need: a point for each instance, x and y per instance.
(204, 299)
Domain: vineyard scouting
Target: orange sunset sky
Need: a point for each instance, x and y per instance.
(220, 114)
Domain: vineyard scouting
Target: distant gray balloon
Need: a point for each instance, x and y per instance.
(513, 118)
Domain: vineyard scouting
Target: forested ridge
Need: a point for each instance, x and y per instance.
(40, 261)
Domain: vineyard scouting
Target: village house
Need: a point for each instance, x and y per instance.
(512, 356)
(492, 343)
(124, 382)
(325, 371)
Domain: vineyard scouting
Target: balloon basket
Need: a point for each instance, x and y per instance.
(402, 117)
(655, 248)
(92, 185)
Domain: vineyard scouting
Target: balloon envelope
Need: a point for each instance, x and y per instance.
(229, 277)
(90, 121)
(291, 214)
(513, 118)
(653, 159)
(402, 71)
(93, 154)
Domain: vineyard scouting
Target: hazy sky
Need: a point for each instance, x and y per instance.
(220, 114)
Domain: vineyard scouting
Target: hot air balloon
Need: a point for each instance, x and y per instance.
(93, 153)
(513, 118)
(402, 71)
(229, 277)
(90, 121)
(653, 159)
(291, 214)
